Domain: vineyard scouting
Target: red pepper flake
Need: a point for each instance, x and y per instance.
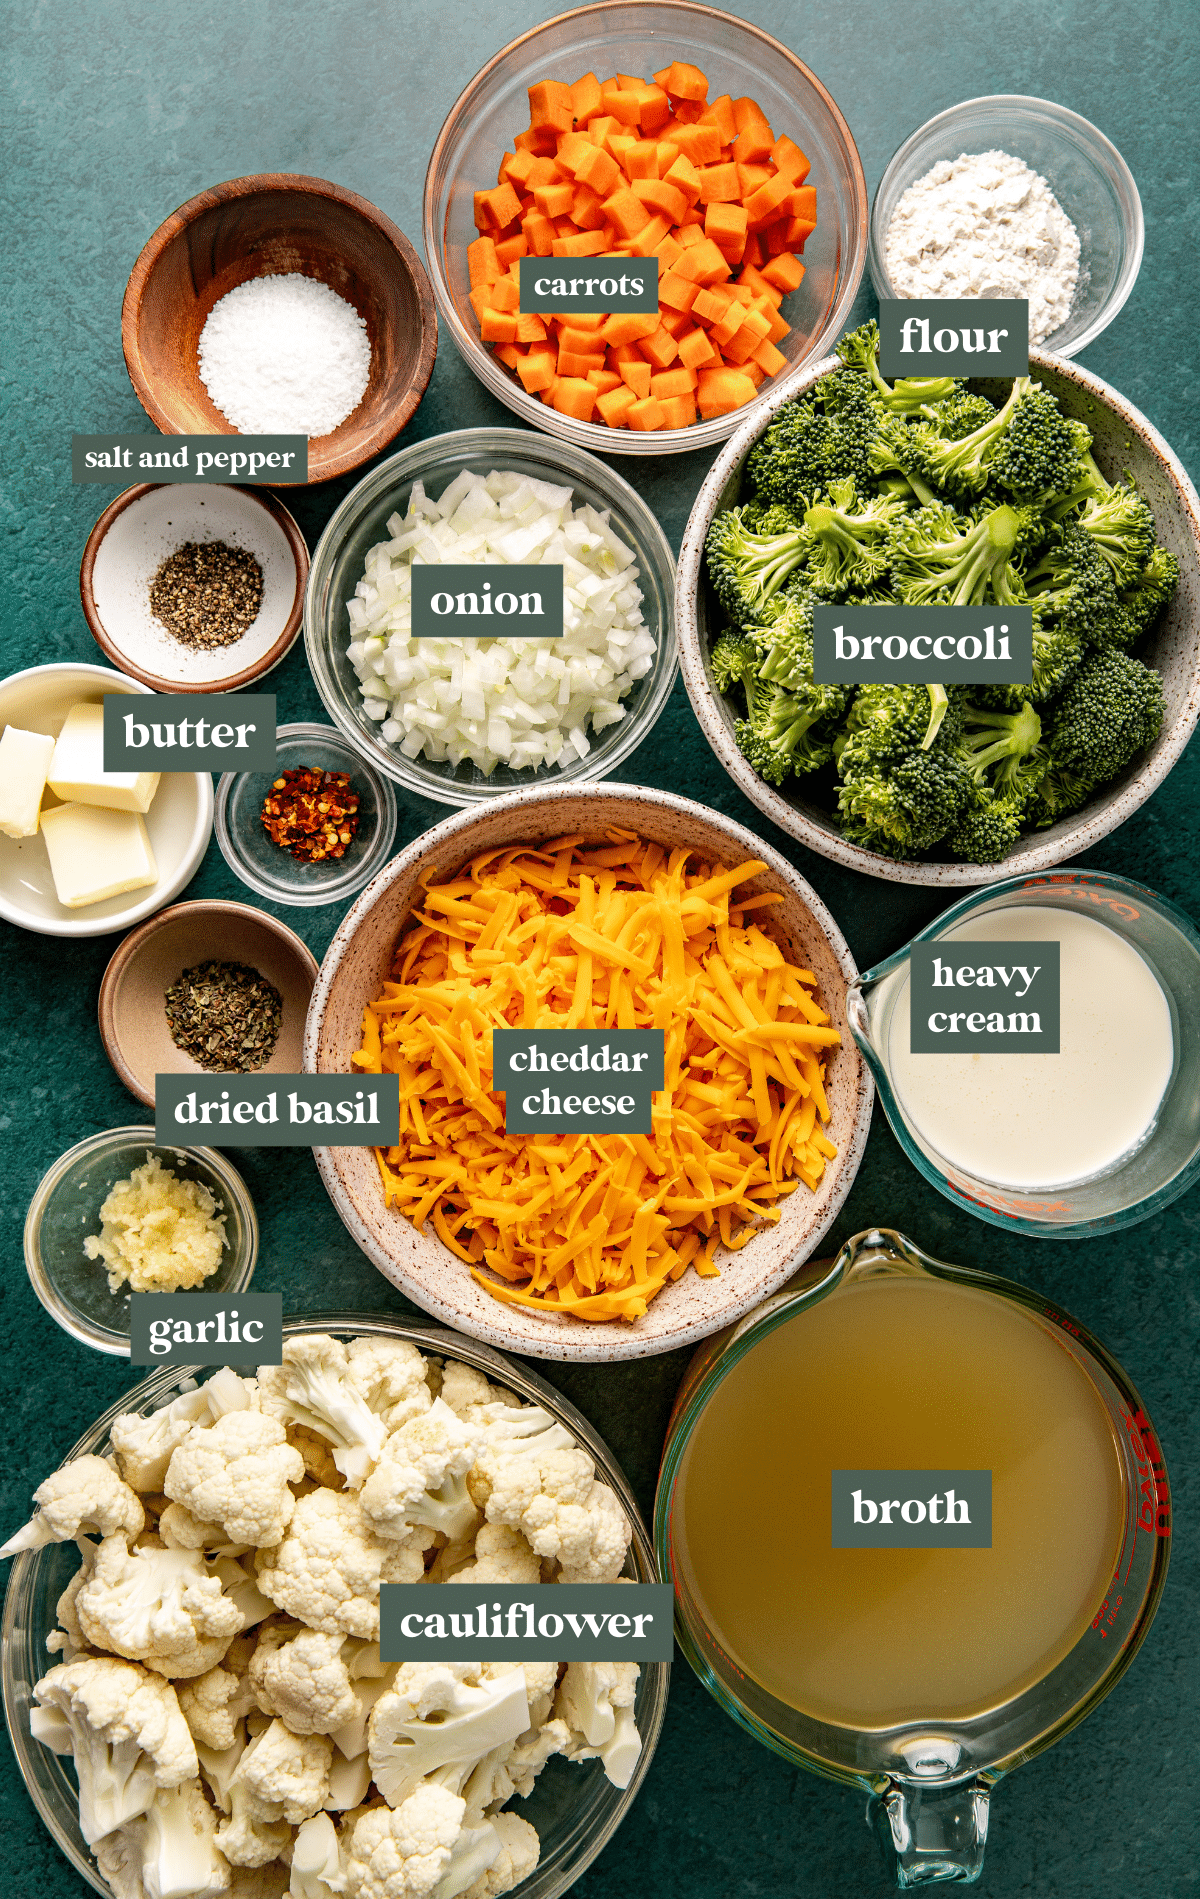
(311, 813)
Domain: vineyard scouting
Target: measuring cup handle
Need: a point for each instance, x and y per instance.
(931, 1833)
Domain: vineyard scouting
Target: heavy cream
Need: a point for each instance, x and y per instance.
(1040, 1120)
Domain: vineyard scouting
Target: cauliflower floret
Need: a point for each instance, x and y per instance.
(85, 1496)
(144, 1446)
(313, 1388)
(215, 1702)
(169, 1853)
(442, 1717)
(402, 1854)
(501, 1555)
(68, 1640)
(316, 1860)
(157, 1606)
(520, 1850)
(596, 1701)
(554, 1497)
(302, 1675)
(390, 1373)
(328, 1568)
(421, 1477)
(125, 1730)
(286, 1774)
(236, 1473)
(465, 1389)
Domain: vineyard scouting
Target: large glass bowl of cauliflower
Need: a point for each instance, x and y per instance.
(192, 1678)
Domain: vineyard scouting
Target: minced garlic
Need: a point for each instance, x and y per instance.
(158, 1232)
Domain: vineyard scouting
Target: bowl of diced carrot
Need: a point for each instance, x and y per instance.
(669, 131)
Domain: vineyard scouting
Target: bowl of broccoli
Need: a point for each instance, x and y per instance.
(1050, 489)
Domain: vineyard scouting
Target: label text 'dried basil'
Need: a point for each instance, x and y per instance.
(473, 602)
(273, 1110)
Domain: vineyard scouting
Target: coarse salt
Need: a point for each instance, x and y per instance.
(985, 225)
(284, 355)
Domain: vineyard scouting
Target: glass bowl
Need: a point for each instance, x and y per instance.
(738, 58)
(337, 566)
(1167, 1160)
(268, 868)
(1084, 170)
(575, 1809)
(66, 1208)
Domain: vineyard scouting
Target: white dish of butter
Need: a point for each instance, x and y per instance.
(1037, 1121)
(139, 878)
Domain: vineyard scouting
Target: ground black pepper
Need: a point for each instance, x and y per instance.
(225, 1016)
(207, 593)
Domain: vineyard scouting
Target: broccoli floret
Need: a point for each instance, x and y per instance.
(935, 561)
(1122, 528)
(791, 737)
(1088, 481)
(849, 538)
(1112, 710)
(988, 831)
(790, 722)
(748, 568)
(963, 468)
(909, 394)
(786, 647)
(734, 659)
(1003, 751)
(959, 415)
(834, 433)
(904, 807)
(1038, 455)
(1144, 601)
(1071, 586)
(885, 722)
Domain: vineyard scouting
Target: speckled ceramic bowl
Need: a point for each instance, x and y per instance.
(1123, 440)
(357, 963)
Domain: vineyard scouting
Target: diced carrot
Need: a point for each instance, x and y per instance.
(695, 350)
(539, 234)
(760, 285)
(750, 177)
(683, 81)
(779, 329)
(579, 362)
(741, 347)
(703, 263)
(636, 376)
(482, 265)
(721, 391)
(602, 380)
(726, 328)
(768, 358)
(515, 168)
(618, 145)
(755, 139)
(573, 337)
(679, 412)
(726, 225)
(620, 105)
(646, 415)
(678, 293)
(718, 184)
(510, 354)
(659, 349)
(531, 327)
(548, 393)
(682, 174)
(651, 235)
(480, 299)
(588, 210)
(599, 171)
(660, 196)
(627, 214)
(804, 203)
(699, 143)
(550, 104)
(496, 208)
(688, 111)
(614, 405)
(601, 126)
(719, 113)
(784, 272)
(629, 326)
(498, 326)
(675, 322)
(673, 382)
(641, 160)
(510, 249)
(585, 244)
(712, 303)
(775, 239)
(689, 234)
(585, 98)
(588, 322)
(573, 147)
(754, 252)
(575, 397)
(655, 110)
(504, 295)
(554, 201)
(666, 251)
(536, 370)
(790, 160)
(540, 140)
(762, 205)
(798, 229)
(668, 152)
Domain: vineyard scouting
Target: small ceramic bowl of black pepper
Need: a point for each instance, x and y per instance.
(316, 829)
(194, 588)
(206, 987)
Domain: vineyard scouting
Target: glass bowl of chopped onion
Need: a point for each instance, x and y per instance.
(574, 1807)
(460, 721)
(66, 1211)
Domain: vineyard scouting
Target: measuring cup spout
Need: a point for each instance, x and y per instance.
(932, 1833)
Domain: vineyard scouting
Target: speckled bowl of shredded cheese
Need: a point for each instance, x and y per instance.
(1011, 197)
(568, 908)
(117, 1214)
(462, 721)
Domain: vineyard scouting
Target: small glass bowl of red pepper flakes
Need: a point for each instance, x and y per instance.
(311, 813)
(316, 828)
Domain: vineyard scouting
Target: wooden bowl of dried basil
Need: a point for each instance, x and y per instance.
(204, 986)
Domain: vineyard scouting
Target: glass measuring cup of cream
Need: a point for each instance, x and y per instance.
(962, 1527)
(1094, 1137)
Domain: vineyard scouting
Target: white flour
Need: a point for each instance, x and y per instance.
(984, 225)
(284, 355)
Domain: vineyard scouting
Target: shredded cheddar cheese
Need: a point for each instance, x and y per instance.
(619, 935)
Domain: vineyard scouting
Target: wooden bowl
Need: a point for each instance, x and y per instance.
(133, 1022)
(267, 226)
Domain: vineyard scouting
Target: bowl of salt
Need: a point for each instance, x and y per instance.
(281, 305)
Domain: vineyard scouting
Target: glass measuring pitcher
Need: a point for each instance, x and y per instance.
(1164, 1163)
(925, 1673)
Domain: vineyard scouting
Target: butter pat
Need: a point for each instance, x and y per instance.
(96, 853)
(24, 765)
(77, 768)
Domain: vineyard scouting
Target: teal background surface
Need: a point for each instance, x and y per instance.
(112, 115)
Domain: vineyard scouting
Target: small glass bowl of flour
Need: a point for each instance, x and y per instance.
(1011, 197)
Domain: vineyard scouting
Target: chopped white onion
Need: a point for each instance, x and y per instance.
(524, 703)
